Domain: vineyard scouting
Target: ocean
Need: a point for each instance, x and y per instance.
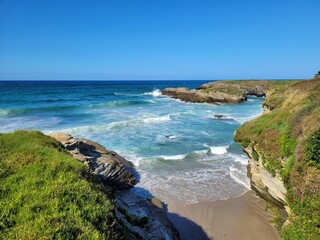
(182, 152)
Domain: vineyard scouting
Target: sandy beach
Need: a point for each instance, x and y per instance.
(241, 218)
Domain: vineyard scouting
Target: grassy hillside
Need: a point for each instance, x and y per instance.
(288, 140)
(47, 194)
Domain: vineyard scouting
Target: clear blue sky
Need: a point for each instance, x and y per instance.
(159, 39)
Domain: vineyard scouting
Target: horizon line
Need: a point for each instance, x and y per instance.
(145, 80)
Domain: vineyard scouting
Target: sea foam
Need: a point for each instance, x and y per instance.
(219, 150)
(239, 177)
(4, 112)
(155, 93)
(157, 119)
(173, 157)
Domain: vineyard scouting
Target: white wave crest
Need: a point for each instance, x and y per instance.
(239, 177)
(4, 112)
(173, 157)
(157, 119)
(201, 152)
(135, 159)
(171, 136)
(116, 125)
(219, 150)
(155, 93)
(243, 160)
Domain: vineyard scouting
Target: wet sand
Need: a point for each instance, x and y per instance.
(240, 218)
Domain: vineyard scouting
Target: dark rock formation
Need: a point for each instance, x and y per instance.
(146, 218)
(110, 166)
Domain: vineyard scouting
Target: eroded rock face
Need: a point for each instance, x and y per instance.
(267, 186)
(146, 218)
(110, 166)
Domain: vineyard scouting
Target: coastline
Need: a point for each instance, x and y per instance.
(243, 217)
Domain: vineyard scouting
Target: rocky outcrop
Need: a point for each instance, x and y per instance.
(143, 218)
(146, 218)
(220, 91)
(249, 87)
(202, 96)
(108, 165)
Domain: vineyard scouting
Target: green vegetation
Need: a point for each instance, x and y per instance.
(47, 194)
(278, 214)
(272, 165)
(245, 143)
(288, 139)
(312, 149)
(255, 155)
(287, 142)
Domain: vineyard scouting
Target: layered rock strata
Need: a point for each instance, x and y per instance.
(269, 187)
(108, 165)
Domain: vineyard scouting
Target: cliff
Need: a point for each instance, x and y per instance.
(283, 145)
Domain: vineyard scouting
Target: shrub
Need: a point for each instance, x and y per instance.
(312, 149)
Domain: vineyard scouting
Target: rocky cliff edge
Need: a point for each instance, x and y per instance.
(143, 218)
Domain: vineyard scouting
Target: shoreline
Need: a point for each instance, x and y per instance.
(242, 217)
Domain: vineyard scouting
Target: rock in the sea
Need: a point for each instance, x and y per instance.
(203, 96)
(110, 166)
(146, 219)
(218, 116)
(221, 91)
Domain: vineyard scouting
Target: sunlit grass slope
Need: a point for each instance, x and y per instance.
(47, 194)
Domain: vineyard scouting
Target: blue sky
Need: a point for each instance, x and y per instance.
(158, 39)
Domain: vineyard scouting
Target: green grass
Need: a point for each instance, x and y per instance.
(287, 142)
(312, 149)
(305, 224)
(255, 155)
(47, 194)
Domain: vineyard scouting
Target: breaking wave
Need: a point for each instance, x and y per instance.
(239, 177)
(155, 93)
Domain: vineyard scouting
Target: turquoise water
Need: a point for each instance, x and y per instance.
(180, 150)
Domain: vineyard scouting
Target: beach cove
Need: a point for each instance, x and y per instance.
(184, 152)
